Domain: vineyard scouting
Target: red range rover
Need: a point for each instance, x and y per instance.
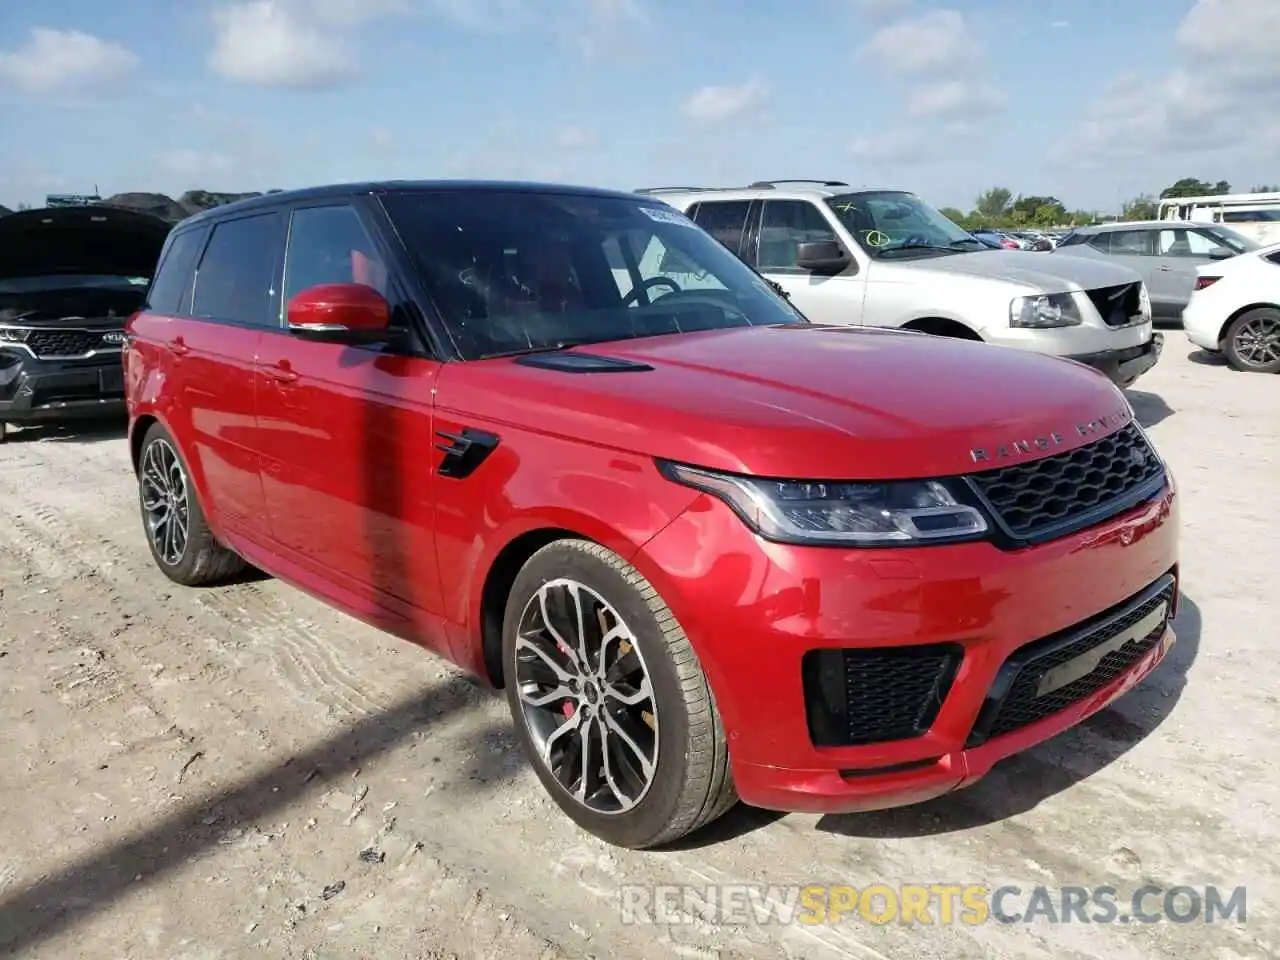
(566, 439)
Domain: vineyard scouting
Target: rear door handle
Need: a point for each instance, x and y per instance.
(178, 346)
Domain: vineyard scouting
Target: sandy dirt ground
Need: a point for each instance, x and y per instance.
(241, 772)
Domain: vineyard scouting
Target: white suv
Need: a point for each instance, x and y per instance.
(885, 258)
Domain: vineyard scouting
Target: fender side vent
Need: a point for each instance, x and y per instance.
(582, 363)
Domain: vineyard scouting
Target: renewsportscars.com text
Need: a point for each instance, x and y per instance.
(928, 904)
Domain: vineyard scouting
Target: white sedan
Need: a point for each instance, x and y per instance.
(1235, 310)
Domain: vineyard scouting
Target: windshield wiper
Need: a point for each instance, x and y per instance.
(562, 344)
(918, 246)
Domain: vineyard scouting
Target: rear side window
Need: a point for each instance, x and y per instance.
(236, 277)
(724, 220)
(172, 283)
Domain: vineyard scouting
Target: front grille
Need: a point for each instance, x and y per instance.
(1085, 659)
(1118, 306)
(874, 695)
(65, 343)
(1082, 486)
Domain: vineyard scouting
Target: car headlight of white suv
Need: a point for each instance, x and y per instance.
(1044, 310)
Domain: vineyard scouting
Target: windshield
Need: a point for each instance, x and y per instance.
(1232, 240)
(518, 272)
(892, 224)
(70, 281)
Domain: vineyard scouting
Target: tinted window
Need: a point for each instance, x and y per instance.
(1130, 243)
(236, 277)
(330, 245)
(519, 271)
(786, 224)
(724, 220)
(168, 293)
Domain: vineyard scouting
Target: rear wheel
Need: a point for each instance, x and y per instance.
(610, 703)
(180, 540)
(1252, 342)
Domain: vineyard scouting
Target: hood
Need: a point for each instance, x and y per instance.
(86, 240)
(1044, 272)
(803, 402)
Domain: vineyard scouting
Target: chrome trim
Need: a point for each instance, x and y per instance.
(109, 348)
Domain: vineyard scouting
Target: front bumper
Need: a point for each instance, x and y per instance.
(754, 609)
(39, 391)
(1125, 366)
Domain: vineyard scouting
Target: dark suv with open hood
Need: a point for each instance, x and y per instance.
(69, 278)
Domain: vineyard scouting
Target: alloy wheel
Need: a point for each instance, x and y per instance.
(586, 697)
(1257, 342)
(165, 502)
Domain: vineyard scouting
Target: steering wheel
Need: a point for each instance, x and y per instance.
(646, 284)
(915, 240)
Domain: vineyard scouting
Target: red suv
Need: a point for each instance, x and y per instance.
(566, 439)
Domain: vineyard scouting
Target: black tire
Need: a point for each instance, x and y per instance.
(201, 559)
(1264, 322)
(692, 783)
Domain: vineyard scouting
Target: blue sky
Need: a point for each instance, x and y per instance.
(1093, 101)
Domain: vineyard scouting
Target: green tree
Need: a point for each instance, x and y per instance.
(1192, 187)
(952, 214)
(1030, 209)
(994, 203)
(1266, 188)
(1142, 207)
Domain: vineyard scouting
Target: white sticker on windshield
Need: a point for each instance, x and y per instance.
(667, 215)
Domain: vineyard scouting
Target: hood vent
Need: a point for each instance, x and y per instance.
(581, 363)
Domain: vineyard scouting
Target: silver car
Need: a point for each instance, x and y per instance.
(885, 258)
(1166, 253)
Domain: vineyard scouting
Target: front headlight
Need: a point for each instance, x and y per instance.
(1044, 310)
(855, 514)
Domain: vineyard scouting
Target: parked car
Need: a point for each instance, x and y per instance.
(711, 551)
(885, 258)
(69, 278)
(1165, 254)
(1235, 310)
(996, 238)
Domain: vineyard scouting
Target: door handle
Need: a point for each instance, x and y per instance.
(1165, 268)
(282, 373)
(178, 346)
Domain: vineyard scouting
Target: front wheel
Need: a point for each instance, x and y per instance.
(610, 703)
(179, 537)
(1252, 343)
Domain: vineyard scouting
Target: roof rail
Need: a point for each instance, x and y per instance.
(765, 184)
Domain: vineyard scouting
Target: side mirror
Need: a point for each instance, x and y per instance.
(821, 256)
(340, 313)
(1218, 253)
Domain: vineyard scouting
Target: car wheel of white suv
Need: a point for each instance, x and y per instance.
(1252, 342)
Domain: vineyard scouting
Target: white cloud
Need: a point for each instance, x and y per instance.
(716, 103)
(955, 98)
(292, 43)
(936, 41)
(606, 28)
(1219, 101)
(1060, 24)
(62, 61)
